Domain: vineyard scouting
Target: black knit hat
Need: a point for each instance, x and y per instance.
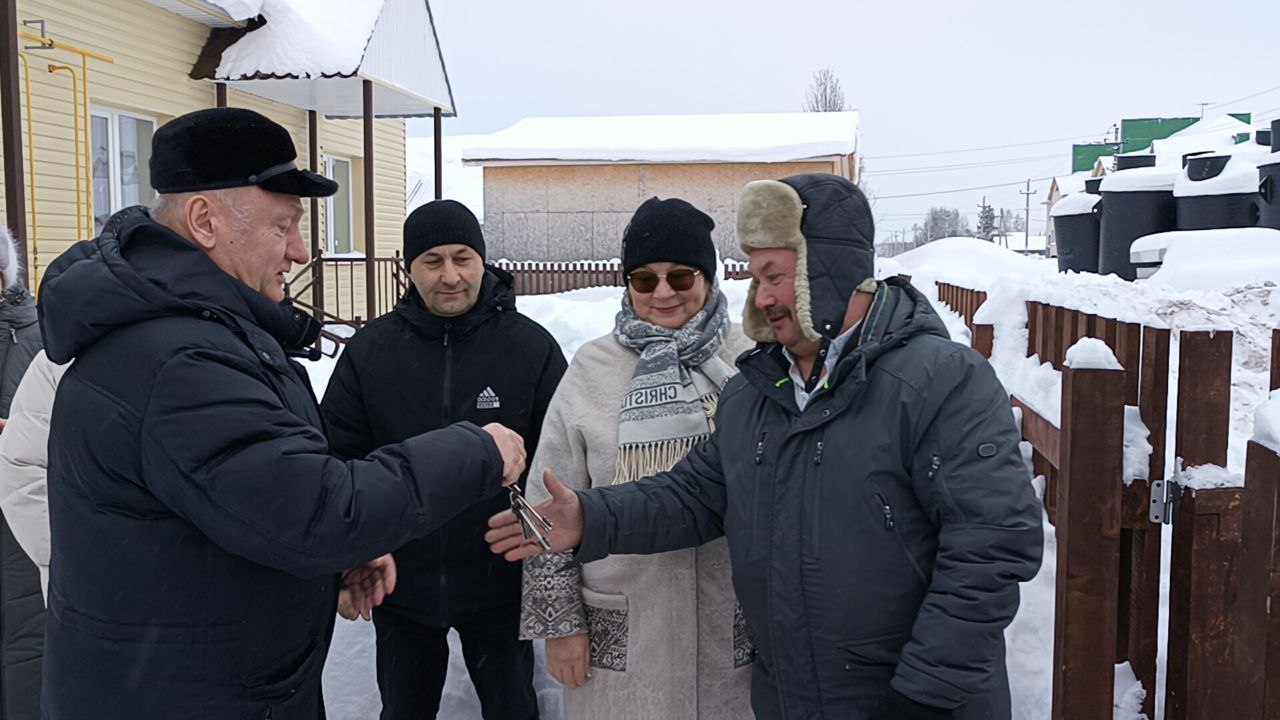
(441, 222)
(672, 231)
(220, 148)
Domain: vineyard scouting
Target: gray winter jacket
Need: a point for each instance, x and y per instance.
(877, 538)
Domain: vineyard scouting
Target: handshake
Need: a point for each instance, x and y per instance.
(364, 587)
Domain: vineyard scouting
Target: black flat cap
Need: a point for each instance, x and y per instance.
(221, 148)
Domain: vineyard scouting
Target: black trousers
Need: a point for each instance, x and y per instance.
(413, 659)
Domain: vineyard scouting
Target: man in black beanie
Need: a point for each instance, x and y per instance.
(454, 348)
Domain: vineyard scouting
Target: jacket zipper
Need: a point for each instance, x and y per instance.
(13, 340)
(444, 412)
(817, 458)
(890, 525)
(760, 447)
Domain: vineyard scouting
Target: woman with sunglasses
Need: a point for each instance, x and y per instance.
(653, 636)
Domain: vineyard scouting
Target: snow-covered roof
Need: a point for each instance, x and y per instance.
(213, 13)
(316, 54)
(1210, 134)
(461, 183)
(1078, 203)
(1148, 179)
(1104, 164)
(1073, 183)
(1239, 177)
(744, 137)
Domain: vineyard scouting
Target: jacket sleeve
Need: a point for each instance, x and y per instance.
(220, 449)
(345, 419)
(967, 470)
(681, 508)
(551, 603)
(24, 460)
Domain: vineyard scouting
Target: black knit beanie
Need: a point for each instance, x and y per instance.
(441, 222)
(669, 231)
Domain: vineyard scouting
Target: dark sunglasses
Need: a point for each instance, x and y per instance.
(643, 281)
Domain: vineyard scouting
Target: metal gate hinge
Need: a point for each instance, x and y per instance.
(1165, 496)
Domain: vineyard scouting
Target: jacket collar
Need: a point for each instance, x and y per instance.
(17, 308)
(497, 295)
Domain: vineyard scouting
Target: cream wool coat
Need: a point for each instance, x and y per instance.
(667, 637)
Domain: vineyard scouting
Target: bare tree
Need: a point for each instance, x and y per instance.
(824, 93)
(941, 222)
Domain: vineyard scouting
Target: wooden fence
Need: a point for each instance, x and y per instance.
(1223, 656)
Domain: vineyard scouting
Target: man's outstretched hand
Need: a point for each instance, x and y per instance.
(366, 586)
(506, 538)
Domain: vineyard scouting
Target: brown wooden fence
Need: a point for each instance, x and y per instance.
(1223, 656)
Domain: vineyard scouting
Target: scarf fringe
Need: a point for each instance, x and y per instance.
(644, 459)
(641, 460)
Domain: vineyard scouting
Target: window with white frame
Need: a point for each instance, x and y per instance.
(339, 218)
(121, 144)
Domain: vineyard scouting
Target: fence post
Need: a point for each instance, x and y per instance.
(984, 340)
(1217, 621)
(1262, 489)
(1088, 527)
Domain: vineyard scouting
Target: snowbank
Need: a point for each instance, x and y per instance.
(304, 38)
(1137, 447)
(1080, 203)
(1217, 259)
(961, 259)
(461, 183)
(1129, 694)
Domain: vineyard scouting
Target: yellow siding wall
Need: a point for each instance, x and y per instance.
(153, 52)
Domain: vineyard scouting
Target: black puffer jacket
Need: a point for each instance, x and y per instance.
(409, 372)
(878, 536)
(21, 604)
(198, 519)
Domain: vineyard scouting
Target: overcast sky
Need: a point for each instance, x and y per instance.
(927, 76)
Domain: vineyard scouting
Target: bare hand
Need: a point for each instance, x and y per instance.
(366, 586)
(506, 538)
(511, 446)
(569, 659)
(346, 606)
(3, 422)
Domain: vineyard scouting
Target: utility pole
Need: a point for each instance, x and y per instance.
(1202, 107)
(1026, 224)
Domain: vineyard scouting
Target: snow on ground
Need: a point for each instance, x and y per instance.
(1266, 423)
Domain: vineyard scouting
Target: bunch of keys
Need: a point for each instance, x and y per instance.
(532, 523)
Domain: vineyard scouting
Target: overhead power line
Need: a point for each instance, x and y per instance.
(963, 189)
(981, 149)
(872, 174)
(1246, 97)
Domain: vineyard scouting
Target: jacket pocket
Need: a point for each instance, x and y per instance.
(884, 516)
(279, 684)
(879, 653)
(607, 628)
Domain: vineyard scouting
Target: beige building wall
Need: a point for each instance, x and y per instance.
(578, 212)
(153, 51)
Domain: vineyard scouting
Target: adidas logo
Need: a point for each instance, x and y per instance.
(488, 400)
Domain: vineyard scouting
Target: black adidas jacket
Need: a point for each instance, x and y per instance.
(409, 372)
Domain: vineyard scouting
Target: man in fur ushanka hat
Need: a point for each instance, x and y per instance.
(865, 470)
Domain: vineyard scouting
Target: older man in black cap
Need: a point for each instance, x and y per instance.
(199, 521)
(454, 348)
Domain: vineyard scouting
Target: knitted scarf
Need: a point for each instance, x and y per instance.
(677, 381)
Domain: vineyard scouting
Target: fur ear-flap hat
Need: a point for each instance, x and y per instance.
(827, 221)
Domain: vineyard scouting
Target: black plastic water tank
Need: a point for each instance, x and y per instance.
(1134, 203)
(1275, 135)
(1208, 200)
(1129, 162)
(1076, 224)
(1269, 193)
(1093, 186)
(1262, 137)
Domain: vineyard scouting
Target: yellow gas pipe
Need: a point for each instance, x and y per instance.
(31, 159)
(75, 96)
